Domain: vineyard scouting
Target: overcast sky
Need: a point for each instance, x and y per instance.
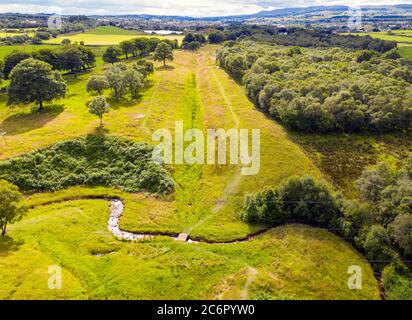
(196, 8)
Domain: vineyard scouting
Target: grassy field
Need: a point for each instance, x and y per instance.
(406, 52)
(108, 36)
(110, 30)
(4, 34)
(291, 262)
(402, 39)
(5, 50)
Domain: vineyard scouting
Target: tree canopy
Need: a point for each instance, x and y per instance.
(11, 207)
(35, 81)
(163, 52)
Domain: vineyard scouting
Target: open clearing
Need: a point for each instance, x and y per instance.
(290, 262)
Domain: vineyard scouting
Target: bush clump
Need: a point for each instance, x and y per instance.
(298, 200)
(94, 160)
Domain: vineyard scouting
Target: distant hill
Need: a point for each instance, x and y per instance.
(317, 10)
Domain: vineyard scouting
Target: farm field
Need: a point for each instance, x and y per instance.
(4, 34)
(294, 261)
(108, 36)
(5, 50)
(401, 38)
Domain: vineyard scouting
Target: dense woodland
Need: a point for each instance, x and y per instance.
(324, 90)
(309, 38)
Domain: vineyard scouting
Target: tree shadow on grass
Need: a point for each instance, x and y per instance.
(165, 68)
(98, 131)
(9, 245)
(23, 122)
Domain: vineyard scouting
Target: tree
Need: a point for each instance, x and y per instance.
(163, 52)
(111, 55)
(115, 77)
(1, 71)
(401, 230)
(216, 37)
(35, 81)
(190, 37)
(294, 51)
(47, 55)
(66, 42)
(134, 81)
(12, 60)
(152, 44)
(365, 55)
(97, 83)
(70, 58)
(141, 45)
(374, 180)
(377, 246)
(193, 46)
(11, 208)
(309, 201)
(144, 66)
(99, 106)
(264, 208)
(127, 47)
(42, 35)
(87, 57)
(392, 54)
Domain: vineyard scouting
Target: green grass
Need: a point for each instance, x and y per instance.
(296, 263)
(402, 40)
(108, 36)
(4, 34)
(5, 50)
(406, 52)
(110, 30)
(291, 262)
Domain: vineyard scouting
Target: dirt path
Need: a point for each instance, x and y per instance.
(235, 180)
(244, 295)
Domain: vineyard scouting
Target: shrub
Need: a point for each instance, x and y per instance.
(94, 160)
(297, 200)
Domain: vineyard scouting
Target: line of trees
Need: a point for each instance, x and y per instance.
(379, 224)
(73, 58)
(323, 90)
(301, 37)
(141, 47)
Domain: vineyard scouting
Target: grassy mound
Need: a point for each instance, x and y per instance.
(94, 160)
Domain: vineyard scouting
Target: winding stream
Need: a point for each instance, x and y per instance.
(116, 212)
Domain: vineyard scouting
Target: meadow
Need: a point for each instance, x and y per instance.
(102, 36)
(402, 37)
(290, 262)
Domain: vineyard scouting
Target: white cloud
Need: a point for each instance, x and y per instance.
(198, 8)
